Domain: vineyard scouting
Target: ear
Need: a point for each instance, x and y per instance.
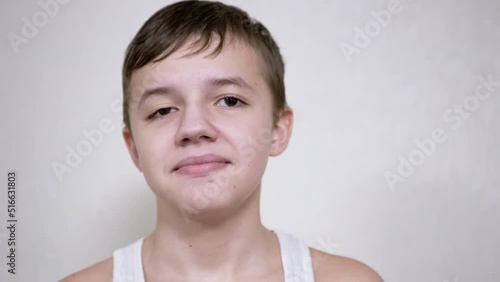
(129, 140)
(282, 132)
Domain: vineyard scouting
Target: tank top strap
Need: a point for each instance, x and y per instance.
(127, 263)
(296, 258)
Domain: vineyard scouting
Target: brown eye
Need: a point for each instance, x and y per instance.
(162, 112)
(229, 102)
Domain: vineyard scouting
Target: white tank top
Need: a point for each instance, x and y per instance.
(295, 257)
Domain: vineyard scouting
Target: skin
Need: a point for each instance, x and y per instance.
(208, 224)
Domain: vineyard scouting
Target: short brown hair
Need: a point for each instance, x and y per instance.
(171, 27)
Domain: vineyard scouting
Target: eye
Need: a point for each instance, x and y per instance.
(162, 112)
(230, 101)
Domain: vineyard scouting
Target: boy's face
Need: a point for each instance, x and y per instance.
(203, 128)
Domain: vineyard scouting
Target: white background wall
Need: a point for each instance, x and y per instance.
(355, 116)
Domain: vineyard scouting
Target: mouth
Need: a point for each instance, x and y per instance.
(200, 165)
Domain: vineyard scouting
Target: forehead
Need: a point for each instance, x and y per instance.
(185, 69)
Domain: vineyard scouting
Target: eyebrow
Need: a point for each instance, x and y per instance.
(232, 80)
(211, 82)
(163, 90)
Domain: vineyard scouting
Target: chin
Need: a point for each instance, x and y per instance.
(211, 204)
(205, 197)
(207, 211)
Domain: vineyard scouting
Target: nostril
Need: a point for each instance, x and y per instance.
(191, 132)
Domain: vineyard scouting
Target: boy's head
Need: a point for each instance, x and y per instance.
(204, 97)
(175, 25)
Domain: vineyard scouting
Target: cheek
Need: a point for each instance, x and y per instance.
(253, 150)
(151, 155)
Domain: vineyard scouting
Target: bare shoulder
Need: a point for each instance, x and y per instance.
(101, 271)
(330, 268)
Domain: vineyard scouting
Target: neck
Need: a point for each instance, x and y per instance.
(220, 247)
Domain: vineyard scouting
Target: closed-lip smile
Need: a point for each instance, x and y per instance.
(199, 165)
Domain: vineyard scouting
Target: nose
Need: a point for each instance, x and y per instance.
(195, 126)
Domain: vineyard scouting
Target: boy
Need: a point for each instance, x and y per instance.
(204, 108)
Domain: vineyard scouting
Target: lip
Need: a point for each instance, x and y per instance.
(200, 165)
